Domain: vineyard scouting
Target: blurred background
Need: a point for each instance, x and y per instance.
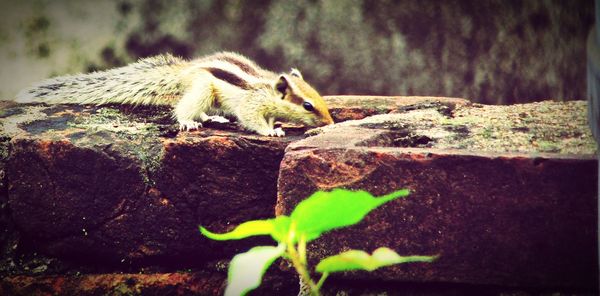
(494, 51)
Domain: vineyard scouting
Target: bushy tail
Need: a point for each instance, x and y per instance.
(151, 81)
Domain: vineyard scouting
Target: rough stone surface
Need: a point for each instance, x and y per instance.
(115, 284)
(503, 214)
(106, 200)
(343, 108)
(103, 185)
(208, 280)
(449, 124)
(213, 283)
(120, 187)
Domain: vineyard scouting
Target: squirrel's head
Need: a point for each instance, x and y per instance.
(308, 106)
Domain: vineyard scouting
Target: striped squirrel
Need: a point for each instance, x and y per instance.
(224, 83)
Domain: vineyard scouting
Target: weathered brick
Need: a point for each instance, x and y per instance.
(89, 183)
(502, 216)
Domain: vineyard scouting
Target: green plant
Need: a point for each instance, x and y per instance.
(321, 212)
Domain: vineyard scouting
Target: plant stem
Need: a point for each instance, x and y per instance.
(302, 249)
(300, 265)
(322, 280)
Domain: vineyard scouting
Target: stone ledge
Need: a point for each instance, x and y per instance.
(213, 283)
(143, 187)
(495, 217)
(544, 127)
(343, 108)
(115, 284)
(100, 184)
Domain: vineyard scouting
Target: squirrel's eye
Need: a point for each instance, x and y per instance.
(308, 106)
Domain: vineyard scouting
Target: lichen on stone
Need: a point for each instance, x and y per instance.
(542, 127)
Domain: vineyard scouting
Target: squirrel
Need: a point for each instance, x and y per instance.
(222, 84)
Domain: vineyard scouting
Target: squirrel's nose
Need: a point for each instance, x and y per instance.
(328, 120)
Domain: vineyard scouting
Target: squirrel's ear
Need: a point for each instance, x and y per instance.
(282, 84)
(296, 73)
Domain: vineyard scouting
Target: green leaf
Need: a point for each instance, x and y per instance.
(277, 228)
(324, 211)
(360, 260)
(247, 269)
(281, 228)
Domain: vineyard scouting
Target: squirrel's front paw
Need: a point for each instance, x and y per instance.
(189, 125)
(278, 132)
(217, 118)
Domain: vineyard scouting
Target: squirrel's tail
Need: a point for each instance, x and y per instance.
(151, 81)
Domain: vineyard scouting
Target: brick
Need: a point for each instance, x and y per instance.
(100, 184)
(503, 214)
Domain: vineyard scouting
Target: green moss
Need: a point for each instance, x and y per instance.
(141, 139)
(487, 133)
(4, 142)
(538, 127)
(150, 156)
(123, 289)
(549, 127)
(547, 146)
